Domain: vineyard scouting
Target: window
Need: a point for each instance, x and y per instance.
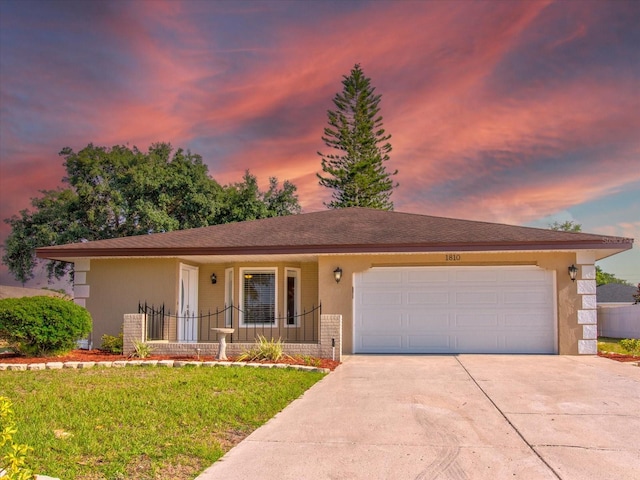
(258, 293)
(292, 299)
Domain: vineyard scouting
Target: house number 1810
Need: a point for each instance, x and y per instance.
(452, 257)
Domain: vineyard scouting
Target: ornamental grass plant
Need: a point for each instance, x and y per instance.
(263, 350)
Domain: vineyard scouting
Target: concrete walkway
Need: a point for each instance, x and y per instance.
(452, 417)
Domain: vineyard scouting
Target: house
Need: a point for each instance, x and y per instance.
(7, 291)
(615, 294)
(387, 282)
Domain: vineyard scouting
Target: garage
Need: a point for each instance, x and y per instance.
(497, 309)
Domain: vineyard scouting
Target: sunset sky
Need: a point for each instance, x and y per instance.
(520, 112)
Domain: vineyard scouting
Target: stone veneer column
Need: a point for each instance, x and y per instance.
(80, 286)
(81, 291)
(587, 313)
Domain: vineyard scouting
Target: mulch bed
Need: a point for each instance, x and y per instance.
(619, 357)
(100, 356)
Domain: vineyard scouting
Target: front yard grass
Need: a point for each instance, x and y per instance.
(142, 422)
(611, 345)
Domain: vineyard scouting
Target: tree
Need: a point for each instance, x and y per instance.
(123, 191)
(119, 191)
(53, 221)
(568, 226)
(355, 170)
(244, 200)
(603, 278)
(281, 201)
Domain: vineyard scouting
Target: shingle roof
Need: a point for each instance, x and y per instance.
(615, 293)
(346, 230)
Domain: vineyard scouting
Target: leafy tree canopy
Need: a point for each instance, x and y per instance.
(602, 278)
(355, 169)
(568, 226)
(122, 191)
(244, 201)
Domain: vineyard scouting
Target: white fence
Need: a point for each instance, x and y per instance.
(619, 321)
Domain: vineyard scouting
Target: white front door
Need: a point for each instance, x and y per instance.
(188, 304)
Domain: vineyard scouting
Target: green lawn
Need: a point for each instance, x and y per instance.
(143, 422)
(612, 345)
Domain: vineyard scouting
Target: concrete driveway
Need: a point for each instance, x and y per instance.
(452, 417)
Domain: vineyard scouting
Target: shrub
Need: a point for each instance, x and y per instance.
(631, 345)
(112, 344)
(263, 350)
(42, 325)
(13, 463)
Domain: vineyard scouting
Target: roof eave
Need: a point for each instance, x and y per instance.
(62, 253)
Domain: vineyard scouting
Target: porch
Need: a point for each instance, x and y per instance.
(309, 333)
(164, 326)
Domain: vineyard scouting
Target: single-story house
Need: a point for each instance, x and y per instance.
(7, 291)
(386, 282)
(615, 294)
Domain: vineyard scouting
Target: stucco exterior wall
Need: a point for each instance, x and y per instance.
(115, 286)
(213, 296)
(110, 288)
(210, 297)
(338, 298)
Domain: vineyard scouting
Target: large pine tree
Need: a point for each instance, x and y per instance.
(355, 169)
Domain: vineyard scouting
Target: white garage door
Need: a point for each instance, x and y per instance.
(454, 310)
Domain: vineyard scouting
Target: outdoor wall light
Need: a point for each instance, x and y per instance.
(573, 272)
(214, 279)
(337, 274)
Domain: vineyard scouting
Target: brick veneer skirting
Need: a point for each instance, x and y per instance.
(330, 345)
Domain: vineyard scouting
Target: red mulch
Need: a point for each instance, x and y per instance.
(100, 356)
(619, 357)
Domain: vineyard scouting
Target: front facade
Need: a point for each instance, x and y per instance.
(409, 283)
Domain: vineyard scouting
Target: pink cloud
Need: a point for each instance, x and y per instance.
(471, 119)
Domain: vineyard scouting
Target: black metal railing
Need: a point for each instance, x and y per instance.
(155, 321)
(191, 327)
